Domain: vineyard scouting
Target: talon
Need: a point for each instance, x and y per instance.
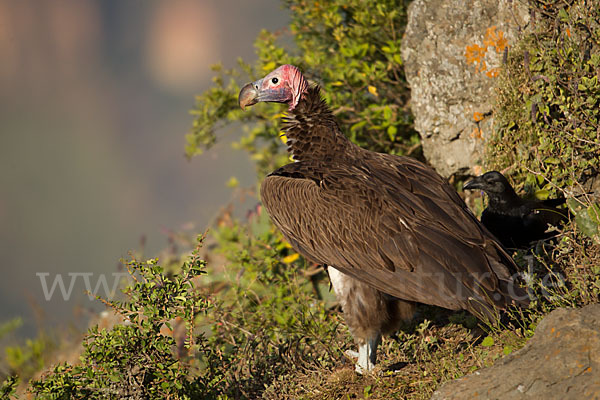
(351, 353)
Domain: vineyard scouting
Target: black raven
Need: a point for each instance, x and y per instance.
(516, 222)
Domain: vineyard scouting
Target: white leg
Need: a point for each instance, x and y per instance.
(367, 355)
(351, 353)
(348, 292)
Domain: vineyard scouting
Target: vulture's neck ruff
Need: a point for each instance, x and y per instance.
(312, 131)
(310, 127)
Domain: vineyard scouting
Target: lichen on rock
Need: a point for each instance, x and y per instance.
(452, 51)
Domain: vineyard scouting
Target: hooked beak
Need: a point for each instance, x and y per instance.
(475, 183)
(248, 95)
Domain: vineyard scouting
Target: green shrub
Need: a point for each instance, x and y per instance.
(138, 358)
(30, 357)
(548, 100)
(547, 137)
(271, 316)
(23, 358)
(8, 388)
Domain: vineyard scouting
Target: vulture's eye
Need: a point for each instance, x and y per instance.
(274, 80)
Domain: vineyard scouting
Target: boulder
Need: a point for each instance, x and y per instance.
(451, 51)
(561, 361)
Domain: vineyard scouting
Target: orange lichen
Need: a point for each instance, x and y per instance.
(490, 36)
(477, 116)
(568, 32)
(495, 39)
(492, 73)
(476, 133)
(501, 44)
(475, 54)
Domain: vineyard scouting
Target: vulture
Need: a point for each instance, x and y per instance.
(390, 229)
(516, 222)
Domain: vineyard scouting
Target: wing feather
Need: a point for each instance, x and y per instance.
(391, 222)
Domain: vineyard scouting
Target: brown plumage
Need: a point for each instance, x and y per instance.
(369, 313)
(390, 222)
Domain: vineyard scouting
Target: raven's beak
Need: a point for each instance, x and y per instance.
(248, 96)
(475, 183)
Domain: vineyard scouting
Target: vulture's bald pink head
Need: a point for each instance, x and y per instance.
(284, 85)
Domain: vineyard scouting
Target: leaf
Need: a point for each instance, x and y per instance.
(357, 126)
(373, 90)
(291, 258)
(586, 218)
(391, 131)
(268, 67)
(594, 213)
(233, 182)
(562, 14)
(542, 194)
(488, 342)
(387, 113)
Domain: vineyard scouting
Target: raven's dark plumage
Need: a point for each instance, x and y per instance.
(386, 222)
(516, 222)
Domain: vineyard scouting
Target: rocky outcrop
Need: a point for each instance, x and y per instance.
(451, 51)
(561, 361)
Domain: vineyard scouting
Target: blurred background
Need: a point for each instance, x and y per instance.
(94, 105)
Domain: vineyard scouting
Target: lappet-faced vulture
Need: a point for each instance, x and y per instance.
(392, 230)
(515, 221)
